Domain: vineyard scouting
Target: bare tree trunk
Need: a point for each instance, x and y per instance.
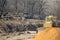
(2, 9)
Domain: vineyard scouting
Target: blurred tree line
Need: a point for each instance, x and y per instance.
(30, 8)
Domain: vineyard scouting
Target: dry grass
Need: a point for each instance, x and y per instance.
(12, 35)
